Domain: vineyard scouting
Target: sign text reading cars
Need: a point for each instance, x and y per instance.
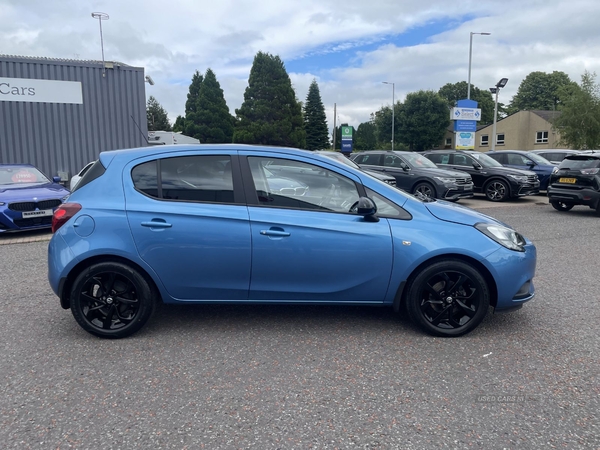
(40, 91)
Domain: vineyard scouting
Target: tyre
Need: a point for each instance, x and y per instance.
(497, 190)
(112, 300)
(424, 189)
(448, 298)
(560, 206)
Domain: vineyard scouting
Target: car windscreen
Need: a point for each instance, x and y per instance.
(485, 160)
(17, 175)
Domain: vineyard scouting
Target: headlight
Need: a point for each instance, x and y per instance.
(521, 178)
(446, 180)
(504, 236)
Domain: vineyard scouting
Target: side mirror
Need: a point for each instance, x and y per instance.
(366, 207)
(477, 166)
(56, 179)
(405, 167)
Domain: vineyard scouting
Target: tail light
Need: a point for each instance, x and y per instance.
(63, 213)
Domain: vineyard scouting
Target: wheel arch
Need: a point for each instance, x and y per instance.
(498, 178)
(65, 300)
(400, 298)
(423, 180)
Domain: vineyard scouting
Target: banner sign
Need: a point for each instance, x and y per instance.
(465, 140)
(465, 125)
(346, 146)
(465, 114)
(40, 91)
(346, 133)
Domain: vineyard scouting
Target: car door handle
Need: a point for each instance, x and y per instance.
(157, 224)
(276, 233)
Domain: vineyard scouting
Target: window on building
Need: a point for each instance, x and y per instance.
(541, 137)
(500, 139)
(448, 142)
(485, 140)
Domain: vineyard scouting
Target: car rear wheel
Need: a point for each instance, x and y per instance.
(560, 206)
(497, 190)
(449, 298)
(424, 189)
(111, 300)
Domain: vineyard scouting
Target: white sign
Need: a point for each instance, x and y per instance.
(465, 114)
(465, 140)
(40, 91)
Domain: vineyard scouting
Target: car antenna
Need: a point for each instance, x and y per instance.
(138, 127)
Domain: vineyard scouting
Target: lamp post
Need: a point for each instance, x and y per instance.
(393, 100)
(470, 54)
(101, 16)
(496, 90)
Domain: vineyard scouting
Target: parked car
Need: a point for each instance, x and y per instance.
(527, 161)
(577, 182)
(554, 155)
(497, 182)
(416, 174)
(344, 159)
(27, 198)
(201, 225)
(75, 178)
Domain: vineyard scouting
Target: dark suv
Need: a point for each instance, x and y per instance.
(520, 159)
(416, 174)
(577, 182)
(497, 182)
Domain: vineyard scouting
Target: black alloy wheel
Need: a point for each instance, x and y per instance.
(111, 300)
(449, 298)
(497, 190)
(424, 189)
(560, 206)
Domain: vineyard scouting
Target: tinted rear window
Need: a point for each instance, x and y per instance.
(579, 162)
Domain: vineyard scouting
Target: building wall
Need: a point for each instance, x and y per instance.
(62, 137)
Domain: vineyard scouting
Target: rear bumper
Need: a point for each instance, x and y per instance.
(587, 197)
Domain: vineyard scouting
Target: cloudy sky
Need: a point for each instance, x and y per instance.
(349, 47)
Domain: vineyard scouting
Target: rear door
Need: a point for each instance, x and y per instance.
(190, 223)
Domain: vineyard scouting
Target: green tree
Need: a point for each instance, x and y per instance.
(366, 138)
(179, 124)
(192, 122)
(423, 120)
(270, 113)
(383, 127)
(540, 90)
(579, 120)
(214, 123)
(158, 119)
(315, 120)
(452, 92)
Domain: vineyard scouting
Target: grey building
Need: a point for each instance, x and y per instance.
(60, 114)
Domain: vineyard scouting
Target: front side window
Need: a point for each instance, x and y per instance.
(205, 178)
(517, 160)
(284, 183)
(541, 137)
(500, 139)
(392, 161)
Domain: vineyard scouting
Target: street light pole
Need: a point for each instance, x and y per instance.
(101, 16)
(393, 101)
(470, 57)
(496, 90)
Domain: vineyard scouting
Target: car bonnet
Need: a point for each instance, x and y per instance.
(452, 212)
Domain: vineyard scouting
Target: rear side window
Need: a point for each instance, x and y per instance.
(95, 171)
(205, 178)
(368, 159)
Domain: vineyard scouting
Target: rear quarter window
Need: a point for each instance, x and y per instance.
(95, 171)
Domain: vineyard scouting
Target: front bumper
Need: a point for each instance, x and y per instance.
(456, 191)
(528, 189)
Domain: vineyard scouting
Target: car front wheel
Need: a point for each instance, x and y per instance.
(560, 206)
(497, 191)
(111, 300)
(449, 298)
(425, 190)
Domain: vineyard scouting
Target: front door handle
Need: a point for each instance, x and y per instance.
(157, 223)
(275, 233)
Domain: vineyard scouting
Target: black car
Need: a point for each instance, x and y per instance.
(344, 159)
(554, 155)
(416, 174)
(497, 182)
(520, 159)
(577, 182)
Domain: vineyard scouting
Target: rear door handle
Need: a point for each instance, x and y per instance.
(276, 233)
(157, 223)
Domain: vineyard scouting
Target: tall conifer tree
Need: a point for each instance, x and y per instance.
(315, 120)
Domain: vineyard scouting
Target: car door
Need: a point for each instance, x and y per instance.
(192, 226)
(463, 162)
(307, 246)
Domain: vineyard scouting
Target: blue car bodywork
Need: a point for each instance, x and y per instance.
(27, 198)
(244, 251)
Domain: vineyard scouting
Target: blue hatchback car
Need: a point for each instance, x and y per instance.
(27, 198)
(205, 224)
(520, 159)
